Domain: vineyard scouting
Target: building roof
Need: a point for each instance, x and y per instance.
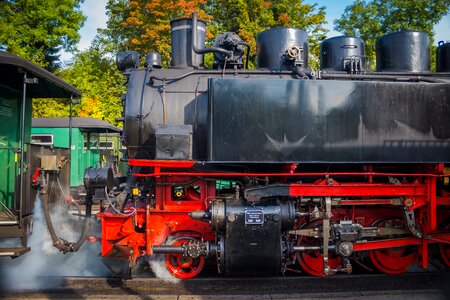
(12, 68)
(90, 124)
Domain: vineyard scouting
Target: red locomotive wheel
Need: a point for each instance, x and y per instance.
(444, 250)
(312, 261)
(184, 267)
(392, 260)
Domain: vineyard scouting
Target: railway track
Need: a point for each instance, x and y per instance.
(431, 285)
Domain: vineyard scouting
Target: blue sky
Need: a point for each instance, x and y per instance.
(96, 18)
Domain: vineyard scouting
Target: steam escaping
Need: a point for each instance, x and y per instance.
(157, 263)
(32, 270)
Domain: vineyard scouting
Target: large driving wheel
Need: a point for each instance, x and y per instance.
(393, 260)
(444, 250)
(312, 261)
(182, 266)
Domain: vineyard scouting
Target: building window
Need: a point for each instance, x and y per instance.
(42, 139)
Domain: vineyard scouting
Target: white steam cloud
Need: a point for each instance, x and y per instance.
(32, 270)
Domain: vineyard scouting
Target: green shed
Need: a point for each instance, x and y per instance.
(95, 143)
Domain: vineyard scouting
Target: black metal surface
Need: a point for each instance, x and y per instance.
(98, 178)
(153, 59)
(443, 57)
(232, 42)
(127, 60)
(337, 53)
(174, 142)
(257, 193)
(48, 86)
(252, 238)
(273, 43)
(277, 120)
(403, 51)
(183, 56)
(88, 124)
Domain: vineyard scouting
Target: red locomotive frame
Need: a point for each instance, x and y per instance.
(362, 199)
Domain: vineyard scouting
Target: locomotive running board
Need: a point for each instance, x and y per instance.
(338, 190)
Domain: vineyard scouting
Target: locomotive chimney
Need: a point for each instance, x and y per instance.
(183, 55)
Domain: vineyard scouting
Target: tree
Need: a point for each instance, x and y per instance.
(249, 17)
(372, 19)
(39, 29)
(144, 26)
(96, 75)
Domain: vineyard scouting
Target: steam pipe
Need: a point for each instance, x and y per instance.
(219, 72)
(227, 53)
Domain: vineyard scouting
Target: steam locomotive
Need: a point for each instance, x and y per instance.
(282, 167)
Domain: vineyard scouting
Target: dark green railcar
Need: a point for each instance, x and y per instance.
(20, 82)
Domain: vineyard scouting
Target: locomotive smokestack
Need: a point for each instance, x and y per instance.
(183, 55)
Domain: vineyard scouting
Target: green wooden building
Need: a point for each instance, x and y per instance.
(95, 143)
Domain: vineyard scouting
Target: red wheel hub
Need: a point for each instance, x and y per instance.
(312, 261)
(184, 267)
(392, 260)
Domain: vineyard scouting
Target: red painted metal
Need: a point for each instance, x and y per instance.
(392, 260)
(182, 164)
(157, 173)
(358, 189)
(364, 202)
(312, 261)
(444, 248)
(383, 244)
(184, 267)
(131, 236)
(35, 178)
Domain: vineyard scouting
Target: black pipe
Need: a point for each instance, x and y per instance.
(404, 77)
(167, 249)
(200, 215)
(60, 243)
(205, 50)
(219, 72)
